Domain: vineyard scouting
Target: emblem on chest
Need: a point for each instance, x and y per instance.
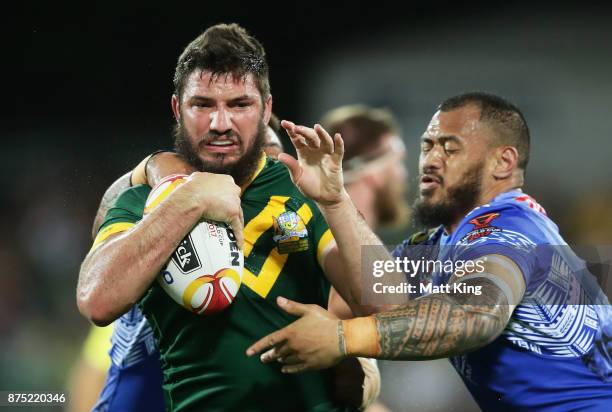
(290, 233)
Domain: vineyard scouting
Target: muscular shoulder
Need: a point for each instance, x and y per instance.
(505, 220)
(128, 207)
(133, 199)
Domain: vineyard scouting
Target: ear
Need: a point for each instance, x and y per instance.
(176, 107)
(267, 109)
(506, 162)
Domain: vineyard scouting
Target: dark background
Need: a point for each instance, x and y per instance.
(87, 91)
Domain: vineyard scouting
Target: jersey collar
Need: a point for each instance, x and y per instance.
(260, 166)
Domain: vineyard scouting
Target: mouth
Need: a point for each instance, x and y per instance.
(429, 183)
(222, 144)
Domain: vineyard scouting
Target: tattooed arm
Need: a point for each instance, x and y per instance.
(441, 325)
(433, 326)
(448, 324)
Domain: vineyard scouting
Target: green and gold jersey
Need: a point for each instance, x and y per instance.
(203, 357)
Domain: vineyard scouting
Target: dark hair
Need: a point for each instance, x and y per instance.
(222, 49)
(505, 118)
(361, 127)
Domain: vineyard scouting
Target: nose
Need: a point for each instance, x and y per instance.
(221, 120)
(431, 161)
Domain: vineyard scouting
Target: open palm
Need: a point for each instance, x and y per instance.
(317, 172)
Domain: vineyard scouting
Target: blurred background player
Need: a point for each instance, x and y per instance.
(375, 175)
(374, 172)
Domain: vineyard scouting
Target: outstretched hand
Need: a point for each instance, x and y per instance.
(317, 171)
(314, 341)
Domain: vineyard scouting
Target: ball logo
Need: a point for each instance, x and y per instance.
(186, 257)
(211, 293)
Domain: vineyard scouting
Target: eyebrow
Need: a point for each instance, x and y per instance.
(443, 139)
(241, 97)
(210, 99)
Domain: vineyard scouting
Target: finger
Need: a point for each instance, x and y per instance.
(237, 225)
(301, 367)
(287, 125)
(338, 146)
(291, 359)
(269, 356)
(278, 353)
(327, 143)
(292, 164)
(267, 342)
(292, 307)
(310, 135)
(296, 140)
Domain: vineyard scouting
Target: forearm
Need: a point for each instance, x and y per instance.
(116, 274)
(343, 265)
(430, 327)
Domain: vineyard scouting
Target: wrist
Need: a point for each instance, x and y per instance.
(341, 205)
(360, 337)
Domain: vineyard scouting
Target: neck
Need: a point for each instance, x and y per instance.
(485, 197)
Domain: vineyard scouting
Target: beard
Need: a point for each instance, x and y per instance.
(459, 201)
(391, 207)
(241, 170)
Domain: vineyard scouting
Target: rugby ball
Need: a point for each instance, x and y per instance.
(205, 271)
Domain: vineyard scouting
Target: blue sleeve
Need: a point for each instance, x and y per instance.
(505, 230)
(399, 249)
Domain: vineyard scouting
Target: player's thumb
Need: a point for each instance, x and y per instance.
(291, 307)
(292, 164)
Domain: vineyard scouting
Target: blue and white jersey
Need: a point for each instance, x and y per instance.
(556, 351)
(132, 339)
(134, 381)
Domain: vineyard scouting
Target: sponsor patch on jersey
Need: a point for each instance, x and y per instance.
(185, 256)
(482, 227)
(290, 233)
(484, 220)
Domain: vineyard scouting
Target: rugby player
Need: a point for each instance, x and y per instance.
(127, 383)
(222, 102)
(538, 335)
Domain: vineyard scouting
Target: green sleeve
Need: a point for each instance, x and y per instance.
(125, 212)
(128, 207)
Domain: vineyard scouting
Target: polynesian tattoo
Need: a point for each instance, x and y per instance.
(443, 325)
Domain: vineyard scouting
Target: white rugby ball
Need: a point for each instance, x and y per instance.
(205, 271)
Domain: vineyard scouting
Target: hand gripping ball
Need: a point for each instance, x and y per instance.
(205, 271)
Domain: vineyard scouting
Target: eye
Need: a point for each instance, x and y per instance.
(450, 148)
(202, 104)
(425, 147)
(241, 103)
